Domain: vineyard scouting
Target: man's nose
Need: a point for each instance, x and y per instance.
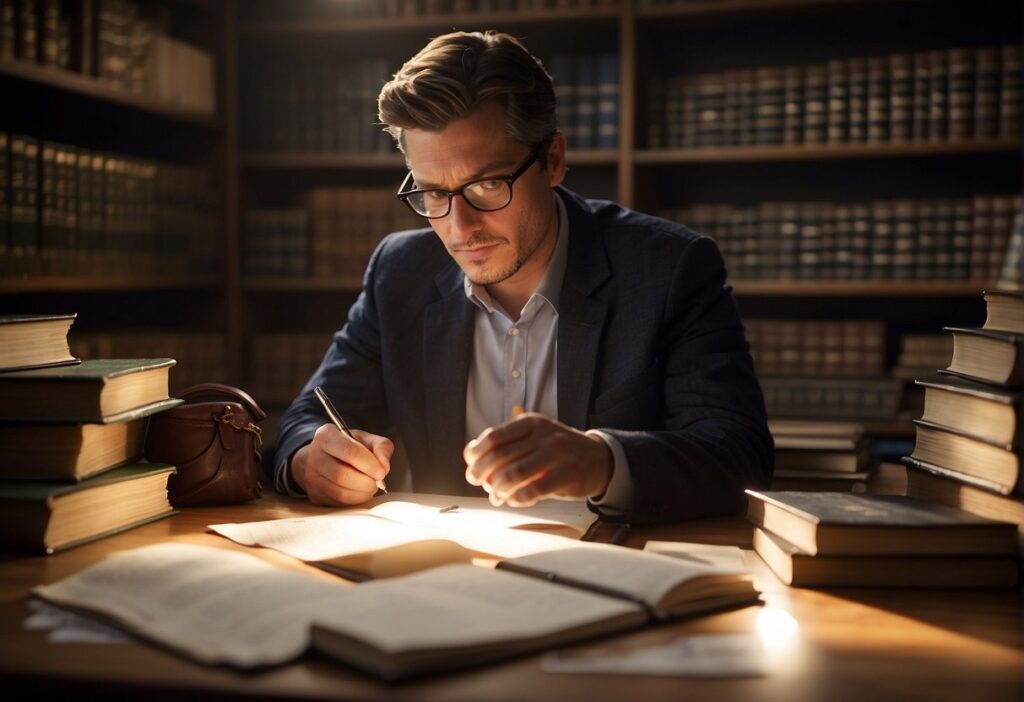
(465, 219)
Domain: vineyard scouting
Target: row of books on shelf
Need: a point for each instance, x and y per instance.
(68, 210)
(280, 363)
(313, 104)
(73, 437)
(124, 45)
(831, 348)
(928, 96)
(333, 236)
(441, 8)
(587, 91)
(940, 240)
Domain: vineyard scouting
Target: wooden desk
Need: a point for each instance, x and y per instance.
(849, 644)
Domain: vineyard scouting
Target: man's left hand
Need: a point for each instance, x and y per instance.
(532, 457)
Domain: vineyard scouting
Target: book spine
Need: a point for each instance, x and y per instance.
(981, 237)
(879, 80)
(28, 30)
(608, 102)
(6, 259)
(586, 103)
(882, 244)
(858, 100)
(793, 96)
(815, 104)
(8, 30)
(922, 75)
(987, 91)
(961, 94)
(838, 101)
(1010, 92)
(24, 204)
(904, 239)
(925, 248)
(962, 225)
(771, 104)
(901, 97)
(938, 91)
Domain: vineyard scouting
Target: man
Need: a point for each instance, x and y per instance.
(615, 331)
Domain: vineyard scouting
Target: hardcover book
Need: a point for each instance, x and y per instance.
(796, 567)
(99, 391)
(49, 517)
(995, 466)
(850, 524)
(987, 413)
(35, 341)
(987, 355)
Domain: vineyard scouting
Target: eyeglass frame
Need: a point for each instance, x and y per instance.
(404, 194)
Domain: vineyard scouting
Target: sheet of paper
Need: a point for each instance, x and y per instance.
(728, 558)
(64, 626)
(573, 513)
(342, 534)
(702, 656)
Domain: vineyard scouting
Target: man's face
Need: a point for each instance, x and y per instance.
(490, 247)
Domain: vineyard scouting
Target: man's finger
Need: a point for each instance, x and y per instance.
(351, 451)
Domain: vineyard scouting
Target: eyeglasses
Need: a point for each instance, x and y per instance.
(485, 194)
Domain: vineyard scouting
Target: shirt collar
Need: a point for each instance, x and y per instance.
(550, 287)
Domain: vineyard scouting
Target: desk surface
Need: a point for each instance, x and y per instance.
(849, 645)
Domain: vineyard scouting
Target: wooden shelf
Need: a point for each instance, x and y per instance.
(302, 285)
(340, 161)
(77, 84)
(726, 7)
(861, 288)
(314, 161)
(80, 283)
(746, 154)
(353, 25)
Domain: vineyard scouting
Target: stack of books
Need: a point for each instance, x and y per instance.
(969, 446)
(71, 436)
(820, 455)
(822, 539)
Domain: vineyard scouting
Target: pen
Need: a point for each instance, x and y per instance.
(340, 423)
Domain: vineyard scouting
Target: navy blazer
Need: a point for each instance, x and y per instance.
(650, 349)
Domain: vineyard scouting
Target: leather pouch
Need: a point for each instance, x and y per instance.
(213, 441)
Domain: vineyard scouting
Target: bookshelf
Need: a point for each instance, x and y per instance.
(282, 177)
(663, 38)
(127, 223)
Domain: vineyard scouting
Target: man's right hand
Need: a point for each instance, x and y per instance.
(334, 469)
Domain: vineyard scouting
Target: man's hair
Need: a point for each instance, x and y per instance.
(455, 74)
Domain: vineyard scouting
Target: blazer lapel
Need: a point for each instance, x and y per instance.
(581, 318)
(447, 349)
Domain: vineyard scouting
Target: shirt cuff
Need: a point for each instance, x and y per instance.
(618, 497)
(284, 482)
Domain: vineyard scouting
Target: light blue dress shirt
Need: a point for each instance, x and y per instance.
(515, 362)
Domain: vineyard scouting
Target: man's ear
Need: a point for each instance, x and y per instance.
(556, 160)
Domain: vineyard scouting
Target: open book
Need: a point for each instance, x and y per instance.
(218, 606)
(414, 532)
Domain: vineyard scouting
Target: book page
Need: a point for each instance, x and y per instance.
(214, 605)
(463, 605)
(223, 607)
(643, 575)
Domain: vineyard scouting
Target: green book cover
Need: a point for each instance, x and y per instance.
(98, 370)
(38, 491)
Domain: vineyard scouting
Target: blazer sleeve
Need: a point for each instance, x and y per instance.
(350, 374)
(714, 441)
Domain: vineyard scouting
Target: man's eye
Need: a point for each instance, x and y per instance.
(434, 196)
(490, 184)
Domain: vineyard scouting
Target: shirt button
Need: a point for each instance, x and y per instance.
(514, 331)
(515, 374)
